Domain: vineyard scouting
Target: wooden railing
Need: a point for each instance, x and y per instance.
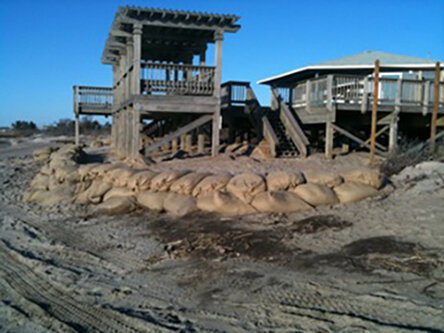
(291, 125)
(177, 79)
(88, 99)
(351, 89)
(270, 136)
(234, 93)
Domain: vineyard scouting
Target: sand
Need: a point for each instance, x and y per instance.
(375, 265)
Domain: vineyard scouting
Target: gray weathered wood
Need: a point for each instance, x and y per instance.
(355, 138)
(183, 130)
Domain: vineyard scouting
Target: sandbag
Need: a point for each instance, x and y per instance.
(210, 184)
(84, 170)
(351, 191)
(40, 182)
(118, 192)
(141, 180)
(94, 193)
(100, 169)
(186, 184)
(46, 170)
(164, 180)
(328, 178)
(364, 175)
(119, 176)
(55, 164)
(54, 197)
(179, 204)
(282, 180)
(67, 173)
(115, 206)
(316, 194)
(246, 186)
(152, 200)
(279, 202)
(42, 154)
(223, 203)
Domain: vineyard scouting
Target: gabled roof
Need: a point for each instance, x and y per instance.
(202, 23)
(359, 61)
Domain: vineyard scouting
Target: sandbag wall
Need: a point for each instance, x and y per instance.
(117, 188)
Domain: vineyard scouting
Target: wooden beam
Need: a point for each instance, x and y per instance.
(374, 110)
(355, 138)
(435, 109)
(183, 130)
(393, 133)
(329, 133)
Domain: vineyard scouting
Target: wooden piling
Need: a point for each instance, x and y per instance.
(374, 110)
(174, 146)
(201, 143)
(188, 143)
(435, 109)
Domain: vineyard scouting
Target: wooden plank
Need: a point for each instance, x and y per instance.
(393, 133)
(364, 100)
(374, 109)
(435, 109)
(181, 131)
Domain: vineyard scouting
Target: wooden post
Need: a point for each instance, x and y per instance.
(374, 110)
(435, 109)
(330, 92)
(329, 139)
(364, 100)
(174, 146)
(135, 89)
(425, 102)
(218, 36)
(307, 95)
(200, 143)
(75, 97)
(393, 132)
(182, 142)
(77, 130)
(188, 143)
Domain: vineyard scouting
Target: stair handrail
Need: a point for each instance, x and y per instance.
(294, 130)
(269, 135)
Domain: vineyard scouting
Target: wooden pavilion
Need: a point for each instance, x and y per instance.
(160, 73)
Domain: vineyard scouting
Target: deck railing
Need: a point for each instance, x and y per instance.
(351, 89)
(234, 93)
(87, 99)
(176, 79)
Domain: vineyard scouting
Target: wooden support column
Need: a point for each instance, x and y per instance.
(329, 139)
(374, 110)
(182, 142)
(307, 95)
(435, 109)
(364, 100)
(393, 132)
(188, 143)
(174, 147)
(200, 143)
(77, 130)
(135, 88)
(218, 36)
(75, 96)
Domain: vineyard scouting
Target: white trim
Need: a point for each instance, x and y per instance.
(315, 67)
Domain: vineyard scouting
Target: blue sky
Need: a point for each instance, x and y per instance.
(48, 46)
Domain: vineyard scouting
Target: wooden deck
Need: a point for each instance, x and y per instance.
(88, 100)
(314, 99)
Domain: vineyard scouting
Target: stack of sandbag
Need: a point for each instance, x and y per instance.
(58, 178)
(117, 188)
(42, 154)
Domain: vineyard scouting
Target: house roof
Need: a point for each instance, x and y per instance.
(360, 61)
(197, 24)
